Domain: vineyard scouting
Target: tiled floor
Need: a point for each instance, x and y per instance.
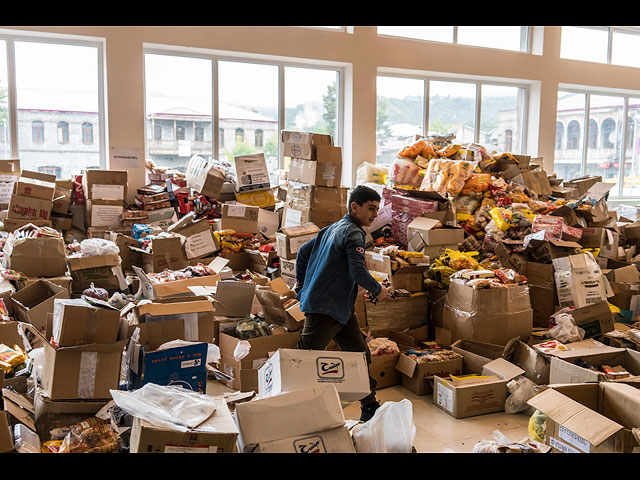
(436, 430)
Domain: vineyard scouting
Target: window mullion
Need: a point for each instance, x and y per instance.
(476, 133)
(13, 109)
(215, 111)
(623, 146)
(281, 119)
(585, 139)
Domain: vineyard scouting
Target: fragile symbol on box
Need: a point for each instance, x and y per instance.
(309, 445)
(330, 369)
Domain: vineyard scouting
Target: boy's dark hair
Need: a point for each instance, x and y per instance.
(362, 194)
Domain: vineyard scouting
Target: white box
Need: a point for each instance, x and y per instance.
(289, 370)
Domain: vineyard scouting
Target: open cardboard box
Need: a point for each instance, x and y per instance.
(32, 303)
(151, 290)
(289, 240)
(204, 177)
(273, 298)
(589, 417)
(199, 240)
(422, 234)
(417, 377)
(409, 277)
(77, 322)
(103, 271)
(36, 257)
(166, 253)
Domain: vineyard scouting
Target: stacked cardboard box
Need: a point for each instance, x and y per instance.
(9, 174)
(314, 192)
(106, 191)
(31, 201)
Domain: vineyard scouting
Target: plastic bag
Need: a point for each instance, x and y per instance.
(98, 246)
(25, 440)
(536, 427)
(371, 173)
(170, 406)
(520, 389)
(93, 435)
(565, 330)
(390, 430)
(405, 172)
(477, 183)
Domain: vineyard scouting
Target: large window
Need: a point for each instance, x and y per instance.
(612, 45)
(5, 138)
(609, 145)
(254, 100)
(500, 37)
(57, 91)
(474, 112)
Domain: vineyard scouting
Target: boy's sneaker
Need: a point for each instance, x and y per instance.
(368, 411)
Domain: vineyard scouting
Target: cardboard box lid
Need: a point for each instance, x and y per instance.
(588, 424)
(584, 348)
(502, 369)
(472, 380)
(175, 306)
(234, 298)
(95, 261)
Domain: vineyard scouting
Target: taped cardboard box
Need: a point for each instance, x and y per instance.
(12, 224)
(280, 306)
(199, 239)
(324, 171)
(289, 240)
(105, 184)
(589, 417)
(269, 223)
(309, 203)
(62, 199)
(302, 412)
(37, 256)
(77, 322)
(103, 271)
(251, 172)
(422, 234)
(302, 144)
(165, 253)
(204, 177)
(239, 217)
(217, 434)
(288, 370)
(493, 315)
(396, 314)
(62, 223)
(34, 188)
(32, 303)
(579, 281)
(103, 213)
(244, 371)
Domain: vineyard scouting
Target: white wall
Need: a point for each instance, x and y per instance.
(363, 53)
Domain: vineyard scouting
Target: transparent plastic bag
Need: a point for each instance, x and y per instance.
(390, 430)
(98, 246)
(371, 173)
(405, 172)
(537, 424)
(565, 330)
(170, 406)
(25, 440)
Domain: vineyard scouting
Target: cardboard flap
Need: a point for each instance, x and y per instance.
(473, 380)
(574, 416)
(502, 369)
(406, 366)
(584, 348)
(158, 308)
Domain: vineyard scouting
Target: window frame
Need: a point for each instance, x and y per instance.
(87, 133)
(216, 56)
(39, 137)
(427, 77)
(610, 32)
(59, 39)
(62, 129)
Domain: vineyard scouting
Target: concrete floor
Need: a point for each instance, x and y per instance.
(436, 430)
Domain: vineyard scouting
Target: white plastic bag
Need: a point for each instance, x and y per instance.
(170, 406)
(98, 246)
(390, 430)
(565, 330)
(25, 440)
(521, 389)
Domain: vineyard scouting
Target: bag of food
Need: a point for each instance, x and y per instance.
(405, 172)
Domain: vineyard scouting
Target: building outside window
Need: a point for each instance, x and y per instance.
(199, 134)
(87, 133)
(37, 132)
(239, 135)
(63, 132)
(179, 132)
(259, 138)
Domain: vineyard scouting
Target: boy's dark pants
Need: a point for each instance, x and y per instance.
(319, 329)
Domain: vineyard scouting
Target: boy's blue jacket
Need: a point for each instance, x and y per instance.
(329, 269)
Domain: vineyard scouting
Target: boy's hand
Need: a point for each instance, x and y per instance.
(383, 293)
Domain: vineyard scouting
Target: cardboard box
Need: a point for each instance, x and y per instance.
(61, 199)
(487, 315)
(579, 281)
(234, 298)
(24, 207)
(325, 171)
(396, 314)
(273, 298)
(166, 253)
(103, 213)
(105, 184)
(567, 370)
(9, 174)
(417, 377)
(409, 277)
(289, 240)
(63, 281)
(269, 223)
(62, 223)
(311, 410)
(31, 187)
(244, 372)
(77, 322)
(582, 184)
(32, 303)
(335, 440)
(217, 434)
(153, 290)
(199, 239)
(589, 417)
(421, 234)
(6, 439)
(536, 181)
(239, 217)
(289, 370)
(204, 177)
(383, 370)
(36, 257)
(302, 144)
(251, 172)
(309, 203)
(595, 319)
(103, 271)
